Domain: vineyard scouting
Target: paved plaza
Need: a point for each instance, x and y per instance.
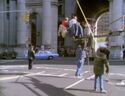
(51, 78)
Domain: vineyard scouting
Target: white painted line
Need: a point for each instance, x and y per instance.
(63, 74)
(53, 68)
(111, 83)
(39, 73)
(69, 69)
(84, 72)
(74, 84)
(79, 81)
(12, 66)
(38, 67)
(91, 77)
(15, 77)
(118, 74)
(32, 74)
(122, 83)
(9, 78)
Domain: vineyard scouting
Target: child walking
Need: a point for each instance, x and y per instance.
(101, 65)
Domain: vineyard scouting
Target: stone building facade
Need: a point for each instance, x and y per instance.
(17, 30)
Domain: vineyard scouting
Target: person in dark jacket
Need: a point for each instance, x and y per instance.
(31, 56)
(101, 63)
(106, 52)
(124, 54)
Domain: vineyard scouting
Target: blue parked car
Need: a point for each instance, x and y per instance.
(45, 55)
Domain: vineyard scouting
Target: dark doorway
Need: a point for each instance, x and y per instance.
(33, 34)
(33, 19)
(92, 8)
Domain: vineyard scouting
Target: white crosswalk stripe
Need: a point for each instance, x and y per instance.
(57, 72)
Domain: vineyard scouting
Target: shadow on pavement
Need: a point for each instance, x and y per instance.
(1, 88)
(48, 89)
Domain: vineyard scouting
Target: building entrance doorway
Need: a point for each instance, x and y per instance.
(33, 34)
(33, 24)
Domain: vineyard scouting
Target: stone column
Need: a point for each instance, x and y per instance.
(46, 22)
(124, 20)
(116, 23)
(12, 23)
(2, 16)
(54, 9)
(21, 29)
(116, 13)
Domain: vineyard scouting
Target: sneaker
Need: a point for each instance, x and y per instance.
(103, 91)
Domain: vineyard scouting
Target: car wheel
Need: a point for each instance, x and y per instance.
(50, 57)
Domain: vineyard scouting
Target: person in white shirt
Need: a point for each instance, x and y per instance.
(72, 21)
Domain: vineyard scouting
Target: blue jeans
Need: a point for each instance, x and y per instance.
(98, 83)
(80, 64)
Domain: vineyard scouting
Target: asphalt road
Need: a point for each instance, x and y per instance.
(56, 78)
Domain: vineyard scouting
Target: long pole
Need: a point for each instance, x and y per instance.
(84, 17)
(86, 23)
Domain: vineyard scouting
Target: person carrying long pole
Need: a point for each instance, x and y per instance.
(87, 25)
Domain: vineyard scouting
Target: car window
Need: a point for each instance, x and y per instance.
(41, 52)
(44, 52)
(47, 52)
